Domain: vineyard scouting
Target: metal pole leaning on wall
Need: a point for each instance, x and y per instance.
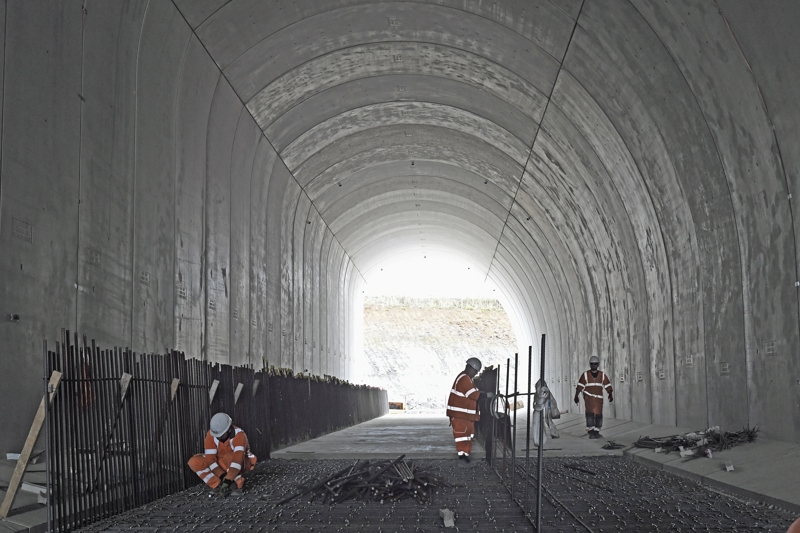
(541, 448)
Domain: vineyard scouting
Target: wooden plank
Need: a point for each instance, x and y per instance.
(174, 388)
(33, 434)
(124, 383)
(238, 391)
(213, 391)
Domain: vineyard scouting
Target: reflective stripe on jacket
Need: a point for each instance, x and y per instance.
(463, 399)
(237, 447)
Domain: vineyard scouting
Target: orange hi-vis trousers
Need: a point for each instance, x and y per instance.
(212, 469)
(463, 432)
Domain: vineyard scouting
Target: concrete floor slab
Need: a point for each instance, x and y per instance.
(32, 521)
(8, 527)
(416, 436)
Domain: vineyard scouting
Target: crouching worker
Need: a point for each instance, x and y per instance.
(227, 456)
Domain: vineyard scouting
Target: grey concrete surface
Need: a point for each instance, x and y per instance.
(222, 177)
(392, 435)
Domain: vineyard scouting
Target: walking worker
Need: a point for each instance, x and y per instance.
(591, 384)
(462, 408)
(226, 457)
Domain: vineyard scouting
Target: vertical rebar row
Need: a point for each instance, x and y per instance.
(107, 453)
(506, 419)
(541, 449)
(130, 410)
(94, 387)
(56, 447)
(47, 433)
(514, 427)
(101, 416)
(526, 507)
(75, 447)
(121, 449)
(494, 419)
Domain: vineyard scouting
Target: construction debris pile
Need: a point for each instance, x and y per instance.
(711, 440)
(384, 481)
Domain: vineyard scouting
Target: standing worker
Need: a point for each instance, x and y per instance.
(591, 384)
(227, 456)
(462, 407)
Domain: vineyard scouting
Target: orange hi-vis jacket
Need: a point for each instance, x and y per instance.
(463, 399)
(592, 389)
(236, 451)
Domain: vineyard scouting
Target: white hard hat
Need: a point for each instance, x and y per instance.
(220, 423)
(475, 363)
(594, 359)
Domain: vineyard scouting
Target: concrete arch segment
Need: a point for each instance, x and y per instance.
(538, 26)
(649, 220)
(320, 172)
(748, 152)
(364, 92)
(421, 177)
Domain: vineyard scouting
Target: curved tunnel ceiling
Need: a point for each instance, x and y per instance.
(408, 125)
(611, 165)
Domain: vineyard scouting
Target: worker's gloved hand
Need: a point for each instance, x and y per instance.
(610, 398)
(225, 488)
(576, 399)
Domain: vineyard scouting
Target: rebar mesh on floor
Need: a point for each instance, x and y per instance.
(476, 496)
(610, 494)
(607, 494)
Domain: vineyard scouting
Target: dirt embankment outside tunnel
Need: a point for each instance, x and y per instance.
(414, 348)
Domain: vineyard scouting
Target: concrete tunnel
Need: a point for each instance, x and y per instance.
(221, 176)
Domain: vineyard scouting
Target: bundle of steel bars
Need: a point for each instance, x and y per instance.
(711, 439)
(381, 481)
(123, 425)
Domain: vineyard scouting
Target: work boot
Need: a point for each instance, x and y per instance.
(592, 434)
(597, 435)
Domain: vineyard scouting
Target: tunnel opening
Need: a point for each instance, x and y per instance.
(424, 315)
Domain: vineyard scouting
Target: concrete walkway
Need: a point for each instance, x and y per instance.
(767, 471)
(416, 436)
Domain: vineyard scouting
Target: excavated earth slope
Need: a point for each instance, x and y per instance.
(414, 348)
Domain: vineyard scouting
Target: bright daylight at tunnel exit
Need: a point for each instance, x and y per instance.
(399, 265)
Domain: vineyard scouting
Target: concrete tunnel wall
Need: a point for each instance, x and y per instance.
(221, 176)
